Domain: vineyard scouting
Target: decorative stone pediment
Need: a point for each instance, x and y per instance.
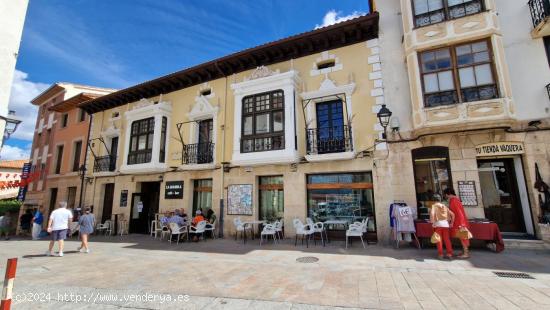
(261, 72)
(328, 87)
(111, 131)
(142, 103)
(202, 108)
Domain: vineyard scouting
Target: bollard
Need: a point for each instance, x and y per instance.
(5, 304)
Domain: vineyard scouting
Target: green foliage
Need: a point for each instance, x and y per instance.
(11, 206)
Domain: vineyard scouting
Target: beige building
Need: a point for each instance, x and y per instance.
(466, 81)
(280, 131)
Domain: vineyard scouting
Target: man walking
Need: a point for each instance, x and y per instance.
(58, 226)
(37, 223)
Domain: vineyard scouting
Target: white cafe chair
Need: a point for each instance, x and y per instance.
(306, 231)
(268, 230)
(178, 231)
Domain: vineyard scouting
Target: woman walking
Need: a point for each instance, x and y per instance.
(440, 217)
(87, 224)
(460, 220)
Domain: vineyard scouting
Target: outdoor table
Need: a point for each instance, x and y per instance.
(252, 223)
(488, 232)
(344, 223)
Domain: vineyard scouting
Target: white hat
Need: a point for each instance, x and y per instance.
(199, 212)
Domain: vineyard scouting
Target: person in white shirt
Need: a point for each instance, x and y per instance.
(58, 226)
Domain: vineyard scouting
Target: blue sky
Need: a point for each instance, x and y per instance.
(117, 44)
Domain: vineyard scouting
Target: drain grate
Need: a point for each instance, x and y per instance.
(307, 259)
(515, 275)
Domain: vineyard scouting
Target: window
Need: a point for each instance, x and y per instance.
(71, 197)
(202, 195)
(162, 151)
(206, 92)
(427, 12)
(271, 198)
(76, 159)
(326, 64)
(431, 175)
(59, 159)
(42, 171)
(141, 141)
(81, 115)
(64, 120)
(263, 122)
(343, 196)
(467, 67)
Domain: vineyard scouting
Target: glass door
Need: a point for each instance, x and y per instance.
(272, 204)
(205, 149)
(330, 127)
(499, 191)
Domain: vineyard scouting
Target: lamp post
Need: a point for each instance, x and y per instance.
(12, 122)
(82, 174)
(384, 116)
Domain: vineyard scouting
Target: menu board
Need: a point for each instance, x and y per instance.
(467, 193)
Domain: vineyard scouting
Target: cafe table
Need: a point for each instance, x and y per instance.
(343, 223)
(253, 223)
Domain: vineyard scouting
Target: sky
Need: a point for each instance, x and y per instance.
(117, 44)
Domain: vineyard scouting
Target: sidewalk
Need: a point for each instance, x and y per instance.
(228, 274)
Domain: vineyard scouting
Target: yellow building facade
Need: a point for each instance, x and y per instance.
(284, 130)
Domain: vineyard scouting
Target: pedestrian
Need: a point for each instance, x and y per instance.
(37, 221)
(440, 217)
(87, 224)
(58, 226)
(25, 222)
(5, 223)
(460, 220)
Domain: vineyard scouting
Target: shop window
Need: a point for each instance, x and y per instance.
(431, 175)
(263, 122)
(345, 196)
(466, 67)
(271, 198)
(202, 195)
(428, 12)
(141, 141)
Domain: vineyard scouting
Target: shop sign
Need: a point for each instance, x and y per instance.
(500, 148)
(173, 190)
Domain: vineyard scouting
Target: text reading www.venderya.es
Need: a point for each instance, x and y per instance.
(98, 297)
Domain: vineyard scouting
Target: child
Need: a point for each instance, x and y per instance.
(440, 217)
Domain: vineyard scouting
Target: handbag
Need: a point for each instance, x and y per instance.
(436, 238)
(464, 233)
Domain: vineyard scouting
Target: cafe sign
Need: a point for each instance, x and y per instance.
(173, 190)
(500, 148)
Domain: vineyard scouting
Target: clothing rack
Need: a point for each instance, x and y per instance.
(396, 234)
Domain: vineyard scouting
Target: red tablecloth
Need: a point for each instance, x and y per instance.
(480, 231)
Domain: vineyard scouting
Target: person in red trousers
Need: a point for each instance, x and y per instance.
(440, 217)
(460, 220)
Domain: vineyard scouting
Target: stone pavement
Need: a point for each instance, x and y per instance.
(138, 272)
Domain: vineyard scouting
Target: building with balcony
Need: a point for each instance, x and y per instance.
(59, 145)
(466, 83)
(277, 131)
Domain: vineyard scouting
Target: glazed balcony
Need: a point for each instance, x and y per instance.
(336, 139)
(540, 11)
(105, 163)
(198, 153)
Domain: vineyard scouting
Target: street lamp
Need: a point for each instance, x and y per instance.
(384, 116)
(12, 122)
(82, 174)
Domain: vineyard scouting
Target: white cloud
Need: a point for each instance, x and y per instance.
(333, 17)
(22, 92)
(14, 152)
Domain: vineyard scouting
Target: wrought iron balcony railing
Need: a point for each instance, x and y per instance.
(198, 153)
(540, 10)
(329, 140)
(105, 163)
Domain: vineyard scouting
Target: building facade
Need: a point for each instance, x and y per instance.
(471, 111)
(59, 145)
(281, 131)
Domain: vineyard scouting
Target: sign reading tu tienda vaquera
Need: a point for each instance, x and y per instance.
(500, 148)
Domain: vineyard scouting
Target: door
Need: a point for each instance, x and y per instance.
(204, 150)
(114, 153)
(330, 127)
(53, 199)
(145, 206)
(499, 191)
(138, 216)
(107, 212)
(272, 204)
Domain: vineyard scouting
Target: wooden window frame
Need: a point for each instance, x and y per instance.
(134, 154)
(64, 120)
(59, 158)
(270, 111)
(455, 71)
(76, 157)
(446, 12)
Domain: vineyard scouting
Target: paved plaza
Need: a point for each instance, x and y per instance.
(139, 272)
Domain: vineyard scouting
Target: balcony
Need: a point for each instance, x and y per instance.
(198, 153)
(540, 10)
(105, 163)
(337, 139)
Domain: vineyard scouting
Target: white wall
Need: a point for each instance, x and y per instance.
(394, 69)
(529, 69)
(12, 18)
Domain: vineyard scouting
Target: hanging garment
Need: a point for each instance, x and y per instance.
(404, 217)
